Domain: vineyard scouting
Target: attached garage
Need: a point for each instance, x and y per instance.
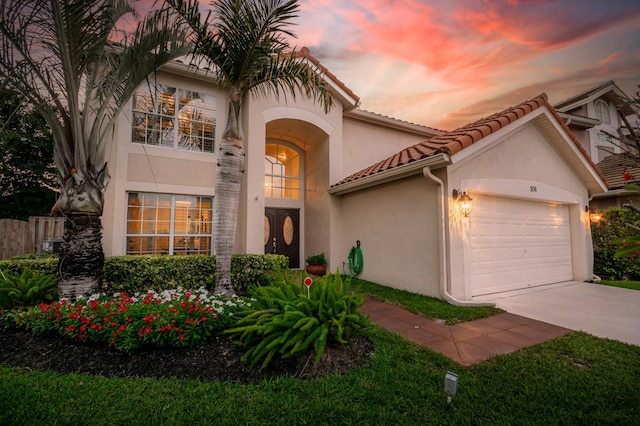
(528, 223)
(515, 244)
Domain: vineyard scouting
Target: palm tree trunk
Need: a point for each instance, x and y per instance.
(82, 258)
(229, 172)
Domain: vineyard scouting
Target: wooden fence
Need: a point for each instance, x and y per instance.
(19, 237)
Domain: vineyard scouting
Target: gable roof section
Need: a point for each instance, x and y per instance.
(608, 89)
(450, 143)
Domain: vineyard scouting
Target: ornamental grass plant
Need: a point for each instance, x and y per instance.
(295, 316)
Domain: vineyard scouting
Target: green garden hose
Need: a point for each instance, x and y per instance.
(356, 263)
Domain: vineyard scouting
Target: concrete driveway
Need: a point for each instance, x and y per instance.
(600, 310)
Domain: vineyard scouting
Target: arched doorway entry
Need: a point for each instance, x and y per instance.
(283, 191)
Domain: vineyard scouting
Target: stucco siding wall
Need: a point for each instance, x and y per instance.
(366, 144)
(396, 224)
(523, 155)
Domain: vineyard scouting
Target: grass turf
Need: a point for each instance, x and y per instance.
(576, 379)
(633, 285)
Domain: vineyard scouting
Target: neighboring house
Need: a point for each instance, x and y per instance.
(590, 114)
(619, 170)
(593, 112)
(310, 187)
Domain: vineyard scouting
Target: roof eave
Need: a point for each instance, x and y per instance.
(578, 120)
(405, 126)
(414, 168)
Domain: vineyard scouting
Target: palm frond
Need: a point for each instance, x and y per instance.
(63, 58)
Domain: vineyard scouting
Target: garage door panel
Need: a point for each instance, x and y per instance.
(517, 244)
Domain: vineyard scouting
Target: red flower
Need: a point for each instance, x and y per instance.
(182, 337)
(122, 327)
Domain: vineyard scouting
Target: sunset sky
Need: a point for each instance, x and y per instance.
(445, 63)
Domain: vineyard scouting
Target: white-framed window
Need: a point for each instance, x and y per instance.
(168, 224)
(602, 112)
(604, 146)
(157, 121)
(281, 172)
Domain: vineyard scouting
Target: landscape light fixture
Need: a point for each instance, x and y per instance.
(463, 200)
(450, 385)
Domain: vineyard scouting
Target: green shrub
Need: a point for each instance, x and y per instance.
(26, 289)
(604, 233)
(284, 321)
(157, 272)
(255, 270)
(161, 272)
(46, 264)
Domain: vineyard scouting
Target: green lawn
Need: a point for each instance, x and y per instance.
(576, 379)
(430, 307)
(633, 285)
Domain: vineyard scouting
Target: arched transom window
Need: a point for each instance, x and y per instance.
(602, 112)
(281, 172)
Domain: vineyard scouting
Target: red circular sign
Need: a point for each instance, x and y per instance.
(308, 281)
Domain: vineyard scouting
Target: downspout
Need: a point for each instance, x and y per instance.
(443, 247)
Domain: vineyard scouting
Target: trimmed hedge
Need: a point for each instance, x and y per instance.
(45, 264)
(161, 272)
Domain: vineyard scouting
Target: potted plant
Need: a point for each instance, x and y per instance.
(316, 264)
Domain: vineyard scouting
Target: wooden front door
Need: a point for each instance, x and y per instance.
(282, 233)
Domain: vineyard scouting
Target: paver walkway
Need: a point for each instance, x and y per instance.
(467, 343)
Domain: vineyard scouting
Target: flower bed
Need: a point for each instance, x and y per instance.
(172, 318)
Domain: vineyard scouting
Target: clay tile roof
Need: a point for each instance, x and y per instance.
(453, 141)
(613, 168)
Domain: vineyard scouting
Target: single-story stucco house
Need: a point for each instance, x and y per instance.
(318, 182)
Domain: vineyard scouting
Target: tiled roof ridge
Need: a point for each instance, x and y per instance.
(462, 137)
(453, 141)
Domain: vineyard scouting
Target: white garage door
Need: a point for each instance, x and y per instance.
(516, 244)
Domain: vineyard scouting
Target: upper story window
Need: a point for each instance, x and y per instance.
(602, 112)
(605, 146)
(157, 121)
(281, 172)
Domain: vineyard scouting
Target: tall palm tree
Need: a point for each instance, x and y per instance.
(76, 65)
(246, 42)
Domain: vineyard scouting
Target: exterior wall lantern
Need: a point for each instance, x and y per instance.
(463, 200)
(594, 215)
